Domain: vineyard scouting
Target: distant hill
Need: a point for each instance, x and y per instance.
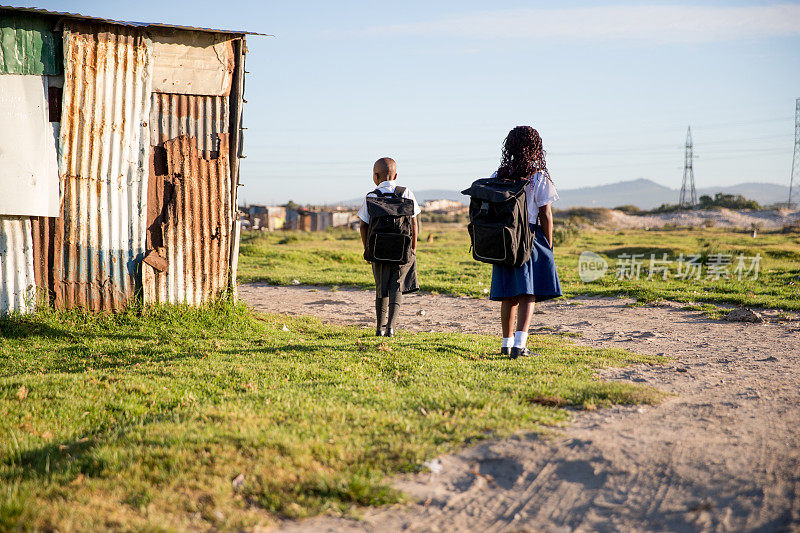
(643, 193)
(647, 194)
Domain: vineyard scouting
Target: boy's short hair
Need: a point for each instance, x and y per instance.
(385, 168)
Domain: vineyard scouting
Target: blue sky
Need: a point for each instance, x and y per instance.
(437, 85)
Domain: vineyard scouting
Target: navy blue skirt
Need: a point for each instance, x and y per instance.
(537, 277)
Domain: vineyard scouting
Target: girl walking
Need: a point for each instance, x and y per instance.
(519, 288)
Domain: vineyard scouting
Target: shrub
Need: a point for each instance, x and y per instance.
(629, 209)
(728, 201)
(564, 233)
(585, 215)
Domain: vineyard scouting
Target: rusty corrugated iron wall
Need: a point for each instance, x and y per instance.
(92, 255)
(28, 46)
(46, 233)
(191, 206)
(204, 118)
(190, 221)
(104, 156)
(17, 280)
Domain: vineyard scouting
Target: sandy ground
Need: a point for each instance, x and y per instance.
(727, 218)
(722, 454)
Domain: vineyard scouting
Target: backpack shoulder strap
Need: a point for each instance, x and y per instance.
(399, 191)
(378, 193)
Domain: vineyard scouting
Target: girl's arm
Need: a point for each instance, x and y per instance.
(546, 221)
(414, 232)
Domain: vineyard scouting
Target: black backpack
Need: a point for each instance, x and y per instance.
(389, 235)
(498, 222)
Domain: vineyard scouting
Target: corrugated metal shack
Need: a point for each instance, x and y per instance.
(123, 182)
(266, 217)
(318, 220)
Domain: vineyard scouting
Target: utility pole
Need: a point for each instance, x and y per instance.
(796, 156)
(688, 194)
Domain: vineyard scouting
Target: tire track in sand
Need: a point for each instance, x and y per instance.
(721, 455)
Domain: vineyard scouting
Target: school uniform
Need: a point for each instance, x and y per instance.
(393, 279)
(537, 277)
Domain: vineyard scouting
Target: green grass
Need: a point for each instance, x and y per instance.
(445, 266)
(141, 421)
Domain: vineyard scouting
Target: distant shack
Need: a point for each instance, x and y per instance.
(119, 161)
(272, 218)
(319, 219)
(264, 217)
(443, 206)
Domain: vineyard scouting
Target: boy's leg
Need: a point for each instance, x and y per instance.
(381, 311)
(381, 302)
(395, 299)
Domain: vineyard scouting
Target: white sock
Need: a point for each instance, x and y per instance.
(520, 339)
(507, 342)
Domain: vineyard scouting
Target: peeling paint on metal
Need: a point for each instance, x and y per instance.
(17, 280)
(104, 148)
(28, 45)
(191, 227)
(204, 118)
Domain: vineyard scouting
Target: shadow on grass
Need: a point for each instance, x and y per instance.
(72, 457)
(644, 251)
(20, 327)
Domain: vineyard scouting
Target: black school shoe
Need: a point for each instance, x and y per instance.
(389, 332)
(505, 351)
(519, 352)
(379, 331)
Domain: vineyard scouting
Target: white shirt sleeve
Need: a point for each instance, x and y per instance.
(362, 212)
(410, 195)
(544, 192)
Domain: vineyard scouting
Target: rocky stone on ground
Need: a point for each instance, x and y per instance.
(743, 314)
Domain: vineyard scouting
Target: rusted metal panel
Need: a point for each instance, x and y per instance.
(204, 118)
(28, 44)
(17, 280)
(190, 224)
(104, 146)
(45, 232)
(192, 63)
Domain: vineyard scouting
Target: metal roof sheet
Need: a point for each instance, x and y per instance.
(125, 22)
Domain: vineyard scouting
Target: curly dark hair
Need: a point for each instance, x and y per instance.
(523, 154)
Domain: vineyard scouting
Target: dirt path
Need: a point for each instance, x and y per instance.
(723, 454)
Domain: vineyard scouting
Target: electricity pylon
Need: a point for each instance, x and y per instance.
(796, 156)
(688, 194)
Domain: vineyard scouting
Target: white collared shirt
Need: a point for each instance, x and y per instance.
(540, 192)
(387, 186)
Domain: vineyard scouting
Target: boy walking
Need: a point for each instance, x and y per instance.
(389, 231)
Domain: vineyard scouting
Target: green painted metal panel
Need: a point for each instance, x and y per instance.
(28, 45)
